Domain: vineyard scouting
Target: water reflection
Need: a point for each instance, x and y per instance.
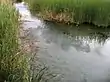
(81, 44)
(100, 37)
(63, 49)
(82, 40)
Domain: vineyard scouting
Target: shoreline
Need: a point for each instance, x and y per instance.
(55, 20)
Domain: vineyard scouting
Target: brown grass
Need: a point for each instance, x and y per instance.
(5, 1)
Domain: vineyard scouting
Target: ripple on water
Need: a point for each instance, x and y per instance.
(66, 56)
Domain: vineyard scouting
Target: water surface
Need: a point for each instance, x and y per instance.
(76, 54)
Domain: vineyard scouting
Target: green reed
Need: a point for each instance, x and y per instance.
(80, 11)
(13, 63)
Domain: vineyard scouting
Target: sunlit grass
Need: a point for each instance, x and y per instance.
(13, 62)
(75, 11)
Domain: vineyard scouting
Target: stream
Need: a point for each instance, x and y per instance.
(75, 54)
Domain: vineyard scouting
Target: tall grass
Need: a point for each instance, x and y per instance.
(74, 11)
(13, 63)
(15, 66)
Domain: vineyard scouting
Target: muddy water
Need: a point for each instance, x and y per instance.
(76, 54)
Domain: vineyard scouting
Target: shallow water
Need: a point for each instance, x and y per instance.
(76, 54)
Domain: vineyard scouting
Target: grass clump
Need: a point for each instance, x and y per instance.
(13, 63)
(15, 66)
(73, 11)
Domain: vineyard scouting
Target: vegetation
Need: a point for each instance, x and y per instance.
(5, 1)
(13, 63)
(73, 11)
(15, 66)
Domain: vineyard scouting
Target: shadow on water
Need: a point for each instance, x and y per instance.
(80, 37)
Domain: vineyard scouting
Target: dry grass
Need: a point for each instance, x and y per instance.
(5, 1)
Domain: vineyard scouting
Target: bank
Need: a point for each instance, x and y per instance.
(72, 11)
(14, 66)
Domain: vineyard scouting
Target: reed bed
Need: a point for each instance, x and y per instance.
(73, 11)
(13, 62)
